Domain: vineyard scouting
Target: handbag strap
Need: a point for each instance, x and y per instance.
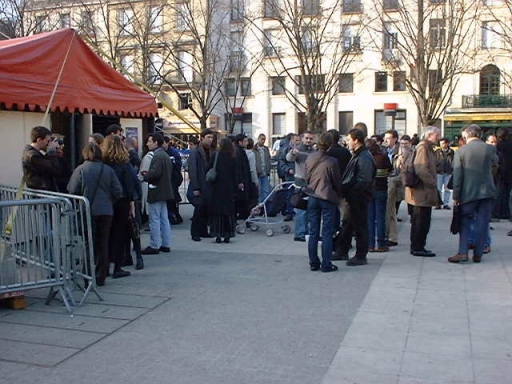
(215, 160)
(310, 173)
(97, 184)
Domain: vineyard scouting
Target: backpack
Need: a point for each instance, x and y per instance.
(409, 177)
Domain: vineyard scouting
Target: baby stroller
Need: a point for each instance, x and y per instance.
(263, 212)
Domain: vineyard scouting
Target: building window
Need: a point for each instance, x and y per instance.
(346, 83)
(435, 81)
(390, 37)
(352, 6)
(65, 20)
(156, 63)
(384, 123)
(125, 20)
(87, 22)
(351, 39)
(185, 101)
(183, 19)
(127, 61)
(41, 23)
(381, 81)
(390, 4)
(272, 8)
(156, 21)
(308, 40)
(437, 33)
(245, 86)
(399, 81)
(491, 35)
(230, 85)
(278, 85)
(237, 10)
(270, 47)
(346, 122)
(185, 64)
(310, 7)
(490, 80)
(278, 123)
(311, 83)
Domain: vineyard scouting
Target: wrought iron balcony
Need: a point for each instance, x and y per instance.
(487, 101)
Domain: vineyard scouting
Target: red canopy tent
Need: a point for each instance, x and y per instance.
(30, 67)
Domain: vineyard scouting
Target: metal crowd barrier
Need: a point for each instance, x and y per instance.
(31, 243)
(75, 255)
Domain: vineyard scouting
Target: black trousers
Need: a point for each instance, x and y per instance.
(420, 225)
(356, 222)
(101, 226)
(199, 225)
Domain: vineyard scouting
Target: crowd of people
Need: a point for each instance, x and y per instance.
(354, 187)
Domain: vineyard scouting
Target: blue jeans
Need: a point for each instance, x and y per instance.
(377, 219)
(320, 211)
(475, 215)
(444, 192)
(159, 226)
(301, 222)
(264, 187)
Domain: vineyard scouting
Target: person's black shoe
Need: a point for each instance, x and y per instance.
(391, 243)
(337, 255)
(331, 268)
(356, 261)
(196, 238)
(139, 264)
(447, 207)
(218, 240)
(226, 240)
(314, 267)
(120, 273)
(303, 239)
(150, 251)
(423, 253)
(165, 249)
(288, 218)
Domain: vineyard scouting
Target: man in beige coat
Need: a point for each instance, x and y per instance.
(424, 195)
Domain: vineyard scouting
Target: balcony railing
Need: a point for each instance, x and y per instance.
(483, 101)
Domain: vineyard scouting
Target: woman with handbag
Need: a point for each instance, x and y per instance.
(100, 185)
(220, 193)
(324, 190)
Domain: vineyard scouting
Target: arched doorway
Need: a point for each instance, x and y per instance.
(490, 80)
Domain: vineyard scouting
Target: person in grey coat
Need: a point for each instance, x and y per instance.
(473, 191)
(160, 190)
(100, 185)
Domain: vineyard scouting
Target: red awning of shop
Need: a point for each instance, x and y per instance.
(30, 67)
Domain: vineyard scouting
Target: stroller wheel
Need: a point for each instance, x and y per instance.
(254, 227)
(269, 233)
(286, 228)
(240, 229)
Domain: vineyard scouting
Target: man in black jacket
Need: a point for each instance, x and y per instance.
(160, 190)
(343, 156)
(357, 189)
(40, 164)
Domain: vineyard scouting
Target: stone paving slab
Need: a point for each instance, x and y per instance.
(32, 353)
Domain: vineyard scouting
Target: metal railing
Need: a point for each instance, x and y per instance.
(76, 254)
(482, 101)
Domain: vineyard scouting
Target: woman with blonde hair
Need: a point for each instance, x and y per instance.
(116, 156)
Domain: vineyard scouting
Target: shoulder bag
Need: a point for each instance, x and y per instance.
(211, 175)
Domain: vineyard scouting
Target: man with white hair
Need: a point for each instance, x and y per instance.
(423, 196)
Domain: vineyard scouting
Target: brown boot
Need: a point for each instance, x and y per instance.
(458, 258)
(477, 259)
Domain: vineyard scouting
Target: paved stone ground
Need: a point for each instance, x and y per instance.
(252, 312)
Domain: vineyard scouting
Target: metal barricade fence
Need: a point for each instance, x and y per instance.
(32, 242)
(77, 252)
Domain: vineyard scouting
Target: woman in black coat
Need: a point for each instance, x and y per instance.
(221, 193)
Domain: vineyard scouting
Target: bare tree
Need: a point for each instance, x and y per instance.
(306, 47)
(433, 39)
(17, 18)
